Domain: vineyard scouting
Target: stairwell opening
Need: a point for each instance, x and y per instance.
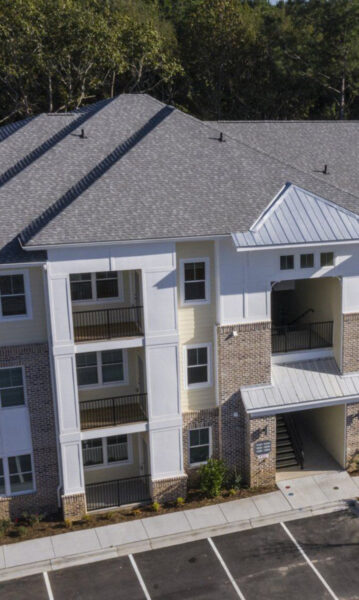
(310, 442)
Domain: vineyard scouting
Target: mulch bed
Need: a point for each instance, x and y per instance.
(20, 530)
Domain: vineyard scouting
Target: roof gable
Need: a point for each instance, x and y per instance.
(297, 216)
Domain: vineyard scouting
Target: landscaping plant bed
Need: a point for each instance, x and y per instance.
(29, 527)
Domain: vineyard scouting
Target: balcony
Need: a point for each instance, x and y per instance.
(117, 492)
(109, 412)
(108, 323)
(302, 336)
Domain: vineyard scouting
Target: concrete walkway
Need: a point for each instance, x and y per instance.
(295, 498)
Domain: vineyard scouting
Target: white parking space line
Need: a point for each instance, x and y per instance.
(48, 586)
(139, 577)
(300, 549)
(228, 573)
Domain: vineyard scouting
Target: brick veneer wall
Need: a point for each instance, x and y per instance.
(168, 490)
(35, 360)
(243, 359)
(74, 506)
(194, 420)
(352, 432)
(260, 471)
(350, 359)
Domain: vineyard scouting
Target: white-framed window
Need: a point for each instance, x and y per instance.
(104, 286)
(12, 387)
(194, 281)
(287, 262)
(100, 452)
(97, 369)
(198, 366)
(327, 259)
(16, 475)
(15, 298)
(307, 261)
(200, 445)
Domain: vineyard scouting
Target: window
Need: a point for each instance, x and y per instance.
(20, 473)
(2, 477)
(92, 452)
(117, 448)
(198, 366)
(86, 366)
(14, 296)
(100, 368)
(326, 259)
(107, 285)
(81, 286)
(105, 451)
(11, 387)
(96, 286)
(195, 281)
(306, 261)
(112, 366)
(199, 445)
(287, 262)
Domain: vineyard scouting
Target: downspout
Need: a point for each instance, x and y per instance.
(53, 383)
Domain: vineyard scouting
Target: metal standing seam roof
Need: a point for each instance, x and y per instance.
(299, 217)
(299, 384)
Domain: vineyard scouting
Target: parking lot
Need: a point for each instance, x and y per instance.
(314, 558)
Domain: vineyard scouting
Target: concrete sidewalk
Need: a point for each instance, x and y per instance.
(295, 499)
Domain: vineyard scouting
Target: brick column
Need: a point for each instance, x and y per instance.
(74, 506)
(168, 490)
(260, 471)
(244, 358)
(352, 432)
(350, 356)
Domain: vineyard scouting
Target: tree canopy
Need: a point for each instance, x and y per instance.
(218, 59)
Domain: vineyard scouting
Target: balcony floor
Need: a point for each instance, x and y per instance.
(88, 333)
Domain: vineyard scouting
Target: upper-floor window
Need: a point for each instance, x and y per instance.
(306, 261)
(287, 262)
(96, 286)
(99, 368)
(11, 387)
(327, 259)
(195, 281)
(14, 296)
(198, 366)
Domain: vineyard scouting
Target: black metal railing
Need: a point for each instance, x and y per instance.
(108, 323)
(118, 492)
(113, 411)
(302, 336)
(295, 438)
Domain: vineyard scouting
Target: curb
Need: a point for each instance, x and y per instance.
(55, 564)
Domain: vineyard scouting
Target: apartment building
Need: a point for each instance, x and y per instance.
(172, 290)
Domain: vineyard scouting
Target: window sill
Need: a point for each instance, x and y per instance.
(198, 386)
(14, 494)
(194, 303)
(97, 386)
(15, 318)
(107, 465)
(99, 301)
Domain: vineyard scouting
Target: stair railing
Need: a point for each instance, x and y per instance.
(304, 314)
(295, 438)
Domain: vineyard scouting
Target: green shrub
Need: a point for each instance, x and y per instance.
(21, 530)
(233, 480)
(156, 506)
(180, 501)
(212, 477)
(31, 519)
(68, 523)
(232, 492)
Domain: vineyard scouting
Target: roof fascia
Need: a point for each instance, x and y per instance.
(302, 245)
(283, 408)
(126, 242)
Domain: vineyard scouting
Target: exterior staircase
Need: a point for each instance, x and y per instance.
(289, 446)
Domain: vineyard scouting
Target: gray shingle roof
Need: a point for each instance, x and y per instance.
(143, 171)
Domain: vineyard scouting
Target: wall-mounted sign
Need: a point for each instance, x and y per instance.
(263, 448)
